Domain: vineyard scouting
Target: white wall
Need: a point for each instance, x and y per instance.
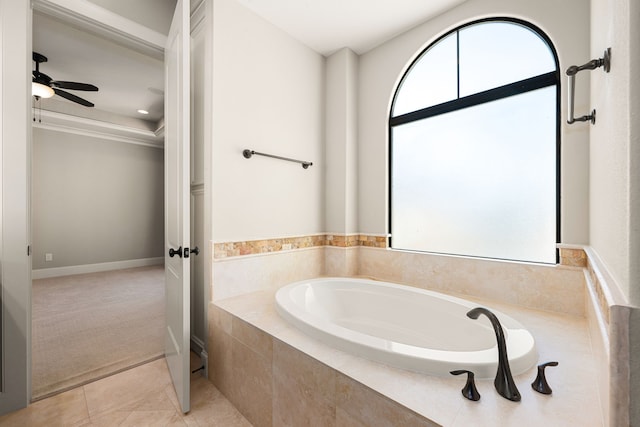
(155, 14)
(566, 23)
(95, 200)
(615, 164)
(341, 160)
(268, 95)
(614, 143)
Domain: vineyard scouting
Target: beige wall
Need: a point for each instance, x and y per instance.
(95, 200)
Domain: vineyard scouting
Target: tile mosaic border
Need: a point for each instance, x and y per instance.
(585, 258)
(573, 257)
(569, 257)
(253, 247)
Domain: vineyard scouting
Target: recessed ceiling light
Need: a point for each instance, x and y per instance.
(143, 112)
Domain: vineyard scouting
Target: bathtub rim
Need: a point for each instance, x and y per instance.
(440, 362)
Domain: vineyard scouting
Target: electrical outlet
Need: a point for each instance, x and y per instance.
(48, 257)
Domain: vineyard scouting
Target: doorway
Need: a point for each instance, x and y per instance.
(97, 197)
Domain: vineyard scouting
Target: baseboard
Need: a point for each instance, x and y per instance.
(204, 357)
(45, 273)
(197, 346)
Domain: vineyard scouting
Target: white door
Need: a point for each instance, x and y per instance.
(177, 201)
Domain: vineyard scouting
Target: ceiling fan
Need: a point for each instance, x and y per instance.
(43, 86)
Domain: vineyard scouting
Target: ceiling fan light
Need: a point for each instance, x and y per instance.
(43, 91)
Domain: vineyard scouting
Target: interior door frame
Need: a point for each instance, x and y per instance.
(202, 21)
(15, 180)
(15, 271)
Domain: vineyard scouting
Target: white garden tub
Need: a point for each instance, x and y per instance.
(402, 326)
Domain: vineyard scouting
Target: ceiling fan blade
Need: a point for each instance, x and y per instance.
(74, 85)
(72, 97)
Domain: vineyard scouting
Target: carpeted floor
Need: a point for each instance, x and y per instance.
(88, 326)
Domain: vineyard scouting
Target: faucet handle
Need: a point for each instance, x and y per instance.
(540, 383)
(469, 391)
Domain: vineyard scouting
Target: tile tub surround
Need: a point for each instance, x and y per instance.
(613, 324)
(242, 267)
(579, 286)
(544, 287)
(554, 288)
(245, 274)
(277, 376)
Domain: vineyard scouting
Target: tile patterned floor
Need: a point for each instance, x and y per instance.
(142, 396)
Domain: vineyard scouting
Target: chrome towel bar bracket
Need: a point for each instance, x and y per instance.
(605, 63)
(248, 153)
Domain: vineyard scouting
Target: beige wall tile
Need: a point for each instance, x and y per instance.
(220, 361)
(294, 407)
(550, 288)
(619, 368)
(372, 409)
(252, 337)
(341, 262)
(557, 289)
(216, 411)
(302, 372)
(219, 318)
(598, 332)
(344, 419)
(242, 275)
(252, 385)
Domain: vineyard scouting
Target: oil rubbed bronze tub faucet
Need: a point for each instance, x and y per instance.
(504, 380)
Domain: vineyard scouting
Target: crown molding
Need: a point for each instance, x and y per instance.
(97, 129)
(94, 18)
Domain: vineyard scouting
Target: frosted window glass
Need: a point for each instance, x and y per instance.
(486, 188)
(432, 80)
(494, 54)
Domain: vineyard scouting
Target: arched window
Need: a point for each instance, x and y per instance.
(474, 146)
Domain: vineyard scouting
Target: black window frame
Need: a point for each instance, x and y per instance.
(494, 94)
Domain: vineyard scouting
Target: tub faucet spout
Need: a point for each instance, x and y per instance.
(504, 383)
